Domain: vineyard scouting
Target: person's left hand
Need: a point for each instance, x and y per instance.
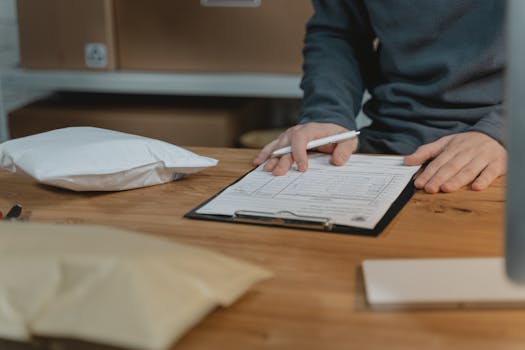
(458, 160)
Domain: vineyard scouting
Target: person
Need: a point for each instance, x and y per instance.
(434, 70)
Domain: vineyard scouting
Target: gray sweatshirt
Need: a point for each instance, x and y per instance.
(437, 69)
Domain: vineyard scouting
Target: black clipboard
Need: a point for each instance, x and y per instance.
(287, 219)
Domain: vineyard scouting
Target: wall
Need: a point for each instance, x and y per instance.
(9, 55)
(8, 42)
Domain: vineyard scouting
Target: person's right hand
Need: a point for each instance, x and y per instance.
(298, 136)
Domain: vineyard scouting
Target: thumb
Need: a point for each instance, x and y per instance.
(343, 151)
(426, 152)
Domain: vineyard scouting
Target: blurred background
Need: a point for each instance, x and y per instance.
(222, 73)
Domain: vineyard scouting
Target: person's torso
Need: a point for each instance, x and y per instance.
(439, 66)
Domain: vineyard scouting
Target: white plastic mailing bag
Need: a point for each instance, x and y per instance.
(93, 159)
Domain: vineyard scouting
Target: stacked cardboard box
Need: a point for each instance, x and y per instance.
(67, 34)
(259, 36)
(182, 35)
(185, 122)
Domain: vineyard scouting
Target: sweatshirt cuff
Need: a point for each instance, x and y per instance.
(324, 117)
(493, 125)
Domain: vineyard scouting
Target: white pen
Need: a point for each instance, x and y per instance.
(319, 142)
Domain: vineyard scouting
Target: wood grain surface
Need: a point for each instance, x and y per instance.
(316, 299)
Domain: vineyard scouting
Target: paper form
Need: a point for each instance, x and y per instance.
(356, 194)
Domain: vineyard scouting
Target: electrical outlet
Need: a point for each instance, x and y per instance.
(96, 55)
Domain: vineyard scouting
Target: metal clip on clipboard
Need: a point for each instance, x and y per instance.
(283, 218)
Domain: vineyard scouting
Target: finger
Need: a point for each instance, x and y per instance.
(487, 176)
(432, 168)
(426, 152)
(446, 171)
(326, 148)
(343, 151)
(265, 153)
(285, 163)
(270, 165)
(299, 139)
(465, 176)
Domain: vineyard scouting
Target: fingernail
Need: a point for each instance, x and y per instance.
(338, 159)
(476, 186)
(430, 189)
(277, 172)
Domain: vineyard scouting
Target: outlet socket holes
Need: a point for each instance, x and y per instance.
(96, 55)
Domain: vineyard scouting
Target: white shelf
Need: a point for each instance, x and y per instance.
(203, 84)
(165, 83)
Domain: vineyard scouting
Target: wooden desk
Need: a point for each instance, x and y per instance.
(316, 299)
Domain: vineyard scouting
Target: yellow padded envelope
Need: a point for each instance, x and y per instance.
(110, 286)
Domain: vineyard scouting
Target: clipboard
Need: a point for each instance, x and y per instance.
(288, 219)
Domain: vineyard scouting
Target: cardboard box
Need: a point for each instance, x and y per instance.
(188, 35)
(193, 122)
(67, 34)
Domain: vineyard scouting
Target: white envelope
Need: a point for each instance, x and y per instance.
(93, 159)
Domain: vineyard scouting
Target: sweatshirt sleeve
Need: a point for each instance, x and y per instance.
(494, 125)
(338, 40)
